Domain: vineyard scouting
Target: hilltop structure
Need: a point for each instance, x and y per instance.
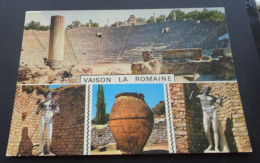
(131, 21)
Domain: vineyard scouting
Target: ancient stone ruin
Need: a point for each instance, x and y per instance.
(187, 63)
(127, 43)
(121, 48)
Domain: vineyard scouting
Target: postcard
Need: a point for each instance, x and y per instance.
(123, 82)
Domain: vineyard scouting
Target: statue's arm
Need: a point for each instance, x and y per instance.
(39, 108)
(218, 99)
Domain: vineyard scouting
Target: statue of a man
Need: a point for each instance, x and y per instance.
(210, 115)
(48, 107)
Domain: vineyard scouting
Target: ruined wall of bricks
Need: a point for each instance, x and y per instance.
(180, 68)
(68, 127)
(180, 119)
(103, 136)
(187, 117)
(222, 66)
(24, 130)
(159, 133)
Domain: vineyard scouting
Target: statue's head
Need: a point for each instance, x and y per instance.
(206, 89)
(48, 95)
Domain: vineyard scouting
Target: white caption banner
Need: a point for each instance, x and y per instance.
(126, 79)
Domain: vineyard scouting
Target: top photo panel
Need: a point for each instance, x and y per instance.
(191, 43)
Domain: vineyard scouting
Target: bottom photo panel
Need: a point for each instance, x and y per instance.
(208, 118)
(128, 119)
(47, 120)
(125, 119)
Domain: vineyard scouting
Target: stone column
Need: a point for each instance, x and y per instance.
(56, 43)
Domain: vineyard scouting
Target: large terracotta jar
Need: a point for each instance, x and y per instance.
(131, 122)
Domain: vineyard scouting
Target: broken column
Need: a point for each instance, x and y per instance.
(56, 43)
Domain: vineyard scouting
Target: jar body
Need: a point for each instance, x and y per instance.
(131, 122)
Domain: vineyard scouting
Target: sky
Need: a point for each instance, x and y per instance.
(153, 94)
(55, 86)
(101, 16)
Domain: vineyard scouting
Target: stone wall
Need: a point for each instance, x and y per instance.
(68, 127)
(103, 136)
(188, 67)
(182, 53)
(24, 130)
(180, 119)
(223, 68)
(187, 117)
(159, 133)
(157, 66)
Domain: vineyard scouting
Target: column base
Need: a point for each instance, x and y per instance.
(55, 64)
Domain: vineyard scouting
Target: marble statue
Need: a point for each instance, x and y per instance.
(210, 115)
(48, 107)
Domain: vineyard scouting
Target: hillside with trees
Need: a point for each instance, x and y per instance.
(159, 109)
(36, 26)
(204, 15)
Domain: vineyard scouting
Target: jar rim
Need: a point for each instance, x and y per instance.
(133, 94)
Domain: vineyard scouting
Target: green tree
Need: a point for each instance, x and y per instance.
(75, 24)
(159, 109)
(205, 14)
(101, 116)
(95, 25)
(69, 26)
(91, 25)
(32, 25)
(36, 26)
(179, 14)
(194, 15)
(151, 20)
(142, 20)
(160, 19)
(114, 24)
(213, 15)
